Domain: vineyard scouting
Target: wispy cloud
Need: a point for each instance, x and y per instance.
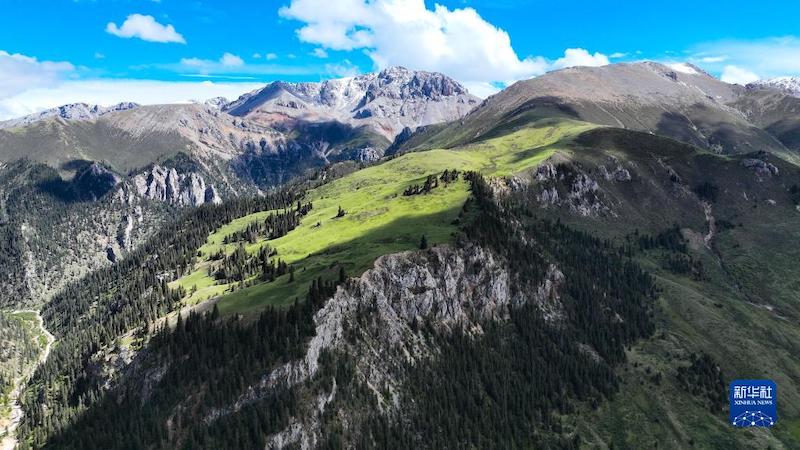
(20, 72)
(749, 59)
(225, 62)
(145, 28)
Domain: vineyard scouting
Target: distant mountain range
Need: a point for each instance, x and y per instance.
(262, 139)
(680, 101)
(73, 111)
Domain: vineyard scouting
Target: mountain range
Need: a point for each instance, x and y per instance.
(386, 261)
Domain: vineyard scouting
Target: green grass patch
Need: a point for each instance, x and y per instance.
(379, 219)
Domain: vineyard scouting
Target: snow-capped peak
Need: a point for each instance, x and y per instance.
(789, 85)
(72, 111)
(684, 68)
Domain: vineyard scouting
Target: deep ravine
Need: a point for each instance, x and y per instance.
(9, 440)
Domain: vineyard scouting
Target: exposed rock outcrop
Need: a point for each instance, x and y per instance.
(377, 317)
(556, 185)
(760, 167)
(167, 185)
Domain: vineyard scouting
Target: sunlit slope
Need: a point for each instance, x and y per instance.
(379, 218)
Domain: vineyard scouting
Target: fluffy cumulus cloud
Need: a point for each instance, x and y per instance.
(743, 61)
(737, 75)
(145, 28)
(458, 42)
(580, 57)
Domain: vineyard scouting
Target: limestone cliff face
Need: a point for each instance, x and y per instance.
(167, 185)
(378, 320)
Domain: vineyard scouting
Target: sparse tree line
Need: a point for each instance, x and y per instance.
(432, 182)
(274, 226)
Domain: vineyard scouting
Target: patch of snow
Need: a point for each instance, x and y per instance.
(684, 68)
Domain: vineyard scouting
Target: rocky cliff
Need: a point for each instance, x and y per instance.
(168, 186)
(378, 319)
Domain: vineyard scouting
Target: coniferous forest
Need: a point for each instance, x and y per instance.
(501, 389)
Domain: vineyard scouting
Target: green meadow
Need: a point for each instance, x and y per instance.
(379, 220)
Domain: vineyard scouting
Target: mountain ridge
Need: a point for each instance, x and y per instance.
(71, 111)
(383, 100)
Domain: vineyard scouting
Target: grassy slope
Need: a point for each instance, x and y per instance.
(379, 220)
(752, 266)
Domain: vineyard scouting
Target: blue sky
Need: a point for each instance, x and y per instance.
(104, 51)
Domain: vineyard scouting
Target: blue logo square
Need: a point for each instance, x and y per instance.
(753, 403)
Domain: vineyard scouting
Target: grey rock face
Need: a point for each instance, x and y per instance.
(388, 101)
(760, 167)
(216, 102)
(560, 185)
(375, 317)
(615, 173)
(788, 85)
(167, 185)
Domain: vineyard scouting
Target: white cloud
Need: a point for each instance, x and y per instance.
(764, 58)
(617, 55)
(733, 74)
(271, 56)
(109, 92)
(713, 59)
(256, 56)
(580, 57)
(320, 53)
(19, 72)
(231, 60)
(145, 28)
(483, 89)
(226, 62)
(457, 42)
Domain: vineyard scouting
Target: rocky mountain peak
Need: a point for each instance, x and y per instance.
(70, 112)
(387, 101)
(787, 85)
(216, 102)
